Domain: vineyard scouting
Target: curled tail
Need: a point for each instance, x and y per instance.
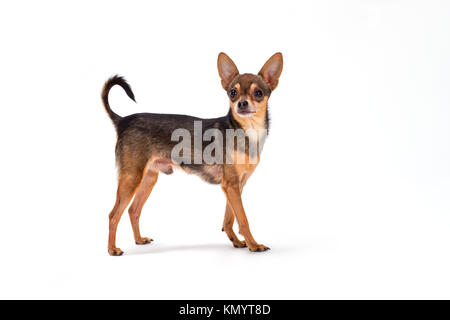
(108, 85)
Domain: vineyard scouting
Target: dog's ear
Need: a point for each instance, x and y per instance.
(271, 70)
(227, 69)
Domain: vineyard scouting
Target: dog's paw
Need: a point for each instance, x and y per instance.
(115, 252)
(143, 241)
(258, 248)
(239, 244)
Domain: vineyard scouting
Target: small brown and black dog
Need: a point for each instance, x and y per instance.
(144, 148)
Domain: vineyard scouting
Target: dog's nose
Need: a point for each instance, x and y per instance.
(243, 104)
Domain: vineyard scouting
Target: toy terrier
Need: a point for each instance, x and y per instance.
(145, 147)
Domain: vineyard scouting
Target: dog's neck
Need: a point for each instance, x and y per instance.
(256, 127)
(259, 121)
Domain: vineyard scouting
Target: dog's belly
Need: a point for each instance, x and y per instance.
(209, 173)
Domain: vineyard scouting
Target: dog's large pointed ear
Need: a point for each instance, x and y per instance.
(271, 70)
(227, 69)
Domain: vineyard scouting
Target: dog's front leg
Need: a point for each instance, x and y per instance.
(228, 222)
(233, 194)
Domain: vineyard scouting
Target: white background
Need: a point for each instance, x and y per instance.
(352, 193)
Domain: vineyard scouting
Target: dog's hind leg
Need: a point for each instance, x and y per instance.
(140, 198)
(125, 191)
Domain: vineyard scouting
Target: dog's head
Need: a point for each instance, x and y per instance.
(249, 93)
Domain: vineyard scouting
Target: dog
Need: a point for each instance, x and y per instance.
(145, 147)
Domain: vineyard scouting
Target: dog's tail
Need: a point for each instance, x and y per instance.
(108, 85)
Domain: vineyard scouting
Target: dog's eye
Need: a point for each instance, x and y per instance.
(233, 93)
(258, 93)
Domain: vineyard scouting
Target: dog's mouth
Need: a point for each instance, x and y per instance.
(245, 113)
